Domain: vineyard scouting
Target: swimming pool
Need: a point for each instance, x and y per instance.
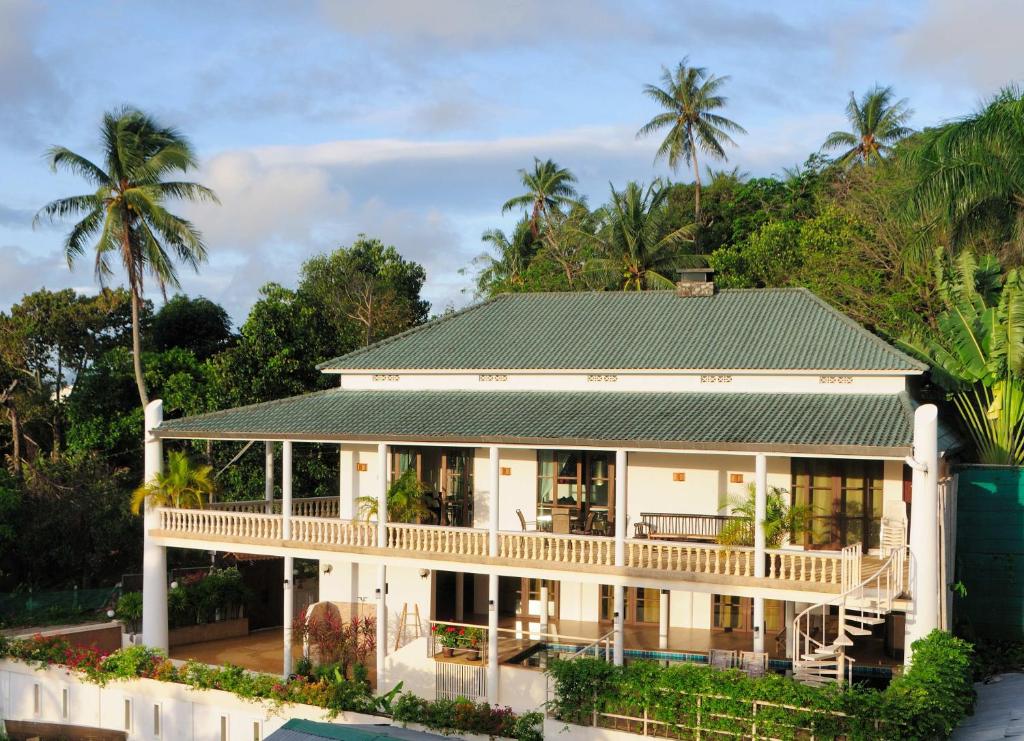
(538, 656)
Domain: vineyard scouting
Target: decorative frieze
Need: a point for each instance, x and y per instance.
(492, 377)
(715, 379)
(835, 380)
(386, 377)
(602, 378)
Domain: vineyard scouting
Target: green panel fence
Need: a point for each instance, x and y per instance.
(42, 604)
(990, 551)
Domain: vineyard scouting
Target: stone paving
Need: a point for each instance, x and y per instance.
(999, 712)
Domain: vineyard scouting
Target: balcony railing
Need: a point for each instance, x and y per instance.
(675, 559)
(304, 507)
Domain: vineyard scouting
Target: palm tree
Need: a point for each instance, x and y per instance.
(690, 97)
(503, 270)
(127, 214)
(878, 122)
(637, 243)
(180, 485)
(975, 348)
(405, 500)
(548, 187)
(782, 520)
(970, 172)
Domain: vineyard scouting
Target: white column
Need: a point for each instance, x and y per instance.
(790, 634)
(663, 615)
(618, 619)
(494, 503)
(759, 623)
(268, 475)
(289, 610)
(492, 637)
(286, 490)
(544, 598)
(621, 460)
(760, 514)
(154, 557)
(382, 572)
(923, 615)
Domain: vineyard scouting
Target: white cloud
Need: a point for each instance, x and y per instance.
(28, 88)
(974, 43)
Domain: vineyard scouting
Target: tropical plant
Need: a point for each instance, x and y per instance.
(782, 520)
(548, 188)
(878, 122)
(127, 212)
(975, 348)
(969, 173)
(504, 269)
(180, 484)
(405, 500)
(690, 97)
(129, 611)
(637, 243)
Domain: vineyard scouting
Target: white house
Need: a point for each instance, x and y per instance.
(583, 451)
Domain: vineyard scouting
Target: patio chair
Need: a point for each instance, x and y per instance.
(524, 523)
(720, 658)
(754, 663)
(587, 525)
(561, 523)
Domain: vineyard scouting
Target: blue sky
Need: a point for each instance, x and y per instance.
(408, 119)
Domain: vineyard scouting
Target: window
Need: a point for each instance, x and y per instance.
(643, 606)
(730, 613)
(574, 481)
(845, 498)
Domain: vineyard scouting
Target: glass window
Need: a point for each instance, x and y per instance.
(845, 498)
(646, 605)
(727, 612)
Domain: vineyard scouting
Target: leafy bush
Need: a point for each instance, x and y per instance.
(129, 611)
(207, 597)
(464, 716)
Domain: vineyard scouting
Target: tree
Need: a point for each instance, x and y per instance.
(968, 175)
(782, 520)
(195, 324)
(635, 243)
(127, 213)
(548, 188)
(975, 348)
(505, 269)
(368, 287)
(690, 97)
(180, 484)
(878, 122)
(405, 499)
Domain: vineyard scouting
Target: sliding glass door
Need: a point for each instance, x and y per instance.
(845, 498)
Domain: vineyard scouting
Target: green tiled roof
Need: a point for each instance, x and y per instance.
(720, 421)
(768, 329)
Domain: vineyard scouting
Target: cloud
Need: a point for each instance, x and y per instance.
(23, 268)
(28, 87)
(15, 217)
(977, 44)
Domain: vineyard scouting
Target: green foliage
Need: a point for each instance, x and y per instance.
(997, 657)
(197, 325)
(925, 703)
(406, 501)
(179, 484)
(782, 519)
(878, 120)
(129, 611)
(549, 188)
(464, 716)
(132, 662)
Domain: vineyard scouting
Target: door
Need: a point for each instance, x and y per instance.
(528, 598)
(845, 501)
(643, 605)
(575, 482)
(456, 477)
(736, 614)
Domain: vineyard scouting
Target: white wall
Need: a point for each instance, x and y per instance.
(185, 714)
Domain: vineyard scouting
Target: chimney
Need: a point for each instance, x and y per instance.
(695, 282)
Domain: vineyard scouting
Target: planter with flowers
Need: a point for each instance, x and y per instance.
(449, 636)
(471, 640)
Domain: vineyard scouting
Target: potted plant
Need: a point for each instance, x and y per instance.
(449, 636)
(406, 500)
(471, 640)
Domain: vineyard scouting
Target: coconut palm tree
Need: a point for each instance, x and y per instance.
(179, 485)
(690, 97)
(126, 215)
(782, 520)
(503, 270)
(548, 187)
(975, 348)
(970, 173)
(878, 122)
(405, 500)
(637, 244)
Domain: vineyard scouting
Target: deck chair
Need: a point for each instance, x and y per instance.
(719, 658)
(754, 663)
(523, 522)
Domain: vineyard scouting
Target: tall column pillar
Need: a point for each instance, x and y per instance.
(382, 572)
(154, 557)
(493, 505)
(289, 610)
(493, 694)
(760, 514)
(268, 475)
(545, 598)
(663, 616)
(790, 634)
(923, 615)
(286, 490)
(618, 618)
(621, 460)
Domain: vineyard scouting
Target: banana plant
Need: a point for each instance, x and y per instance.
(975, 348)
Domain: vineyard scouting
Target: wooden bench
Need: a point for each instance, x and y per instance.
(680, 526)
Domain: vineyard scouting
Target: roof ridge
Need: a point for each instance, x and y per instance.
(413, 330)
(853, 323)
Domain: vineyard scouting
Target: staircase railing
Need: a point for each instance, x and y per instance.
(874, 595)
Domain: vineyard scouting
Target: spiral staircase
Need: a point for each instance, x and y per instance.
(821, 639)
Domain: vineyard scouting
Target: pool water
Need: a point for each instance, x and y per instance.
(538, 656)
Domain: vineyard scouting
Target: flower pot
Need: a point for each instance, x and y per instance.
(447, 652)
(473, 654)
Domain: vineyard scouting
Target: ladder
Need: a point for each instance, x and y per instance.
(406, 621)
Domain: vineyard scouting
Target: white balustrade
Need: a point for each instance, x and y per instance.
(563, 549)
(449, 541)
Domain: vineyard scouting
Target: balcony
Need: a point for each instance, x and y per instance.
(651, 559)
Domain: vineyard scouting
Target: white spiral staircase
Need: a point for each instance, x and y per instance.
(820, 639)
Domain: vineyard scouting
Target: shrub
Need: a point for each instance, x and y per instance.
(129, 611)
(133, 662)
(464, 716)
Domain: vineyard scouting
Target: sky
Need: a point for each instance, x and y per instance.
(407, 120)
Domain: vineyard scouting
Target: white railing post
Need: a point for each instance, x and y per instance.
(154, 557)
(493, 694)
(619, 618)
(268, 475)
(286, 490)
(663, 614)
(760, 514)
(621, 461)
(494, 479)
(923, 614)
(289, 611)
